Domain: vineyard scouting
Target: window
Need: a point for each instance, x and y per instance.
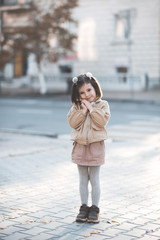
(122, 74)
(123, 21)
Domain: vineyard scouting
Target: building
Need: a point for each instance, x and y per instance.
(119, 42)
(8, 20)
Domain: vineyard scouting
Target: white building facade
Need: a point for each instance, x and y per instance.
(119, 42)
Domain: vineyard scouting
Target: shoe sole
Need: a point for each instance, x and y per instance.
(93, 221)
(81, 220)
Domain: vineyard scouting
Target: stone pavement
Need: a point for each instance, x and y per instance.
(39, 197)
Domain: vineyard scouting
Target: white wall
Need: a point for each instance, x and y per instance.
(98, 50)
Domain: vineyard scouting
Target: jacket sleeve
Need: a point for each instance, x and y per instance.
(100, 115)
(76, 117)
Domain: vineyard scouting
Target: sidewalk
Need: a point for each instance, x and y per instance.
(39, 197)
(20, 88)
(152, 96)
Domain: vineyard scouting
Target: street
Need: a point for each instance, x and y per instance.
(48, 115)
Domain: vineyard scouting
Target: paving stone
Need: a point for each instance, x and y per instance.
(150, 226)
(127, 226)
(152, 215)
(23, 220)
(155, 233)
(135, 207)
(29, 206)
(2, 236)
(109, 215)
(4, 211)
(136, 232)
(55, 209)
(6, 224)
(96, 237)
(122, 237)
(63, 214)
(28, 224)
(100, 226)
(60, 231)
(114, 206)
(157, 222)
(141, 221)
(41, 198)
(67, 220)
(10, 230)
(69, 236)
(144, 211)
(39, 214)
(74, 226)
(42, 236)
(52, 225)
(87, 233)
(34, 231)
(112, 232)
(17, 236)
(131, 215)
(149, 238)
(116, 220)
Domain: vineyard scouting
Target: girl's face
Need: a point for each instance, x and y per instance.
(87, 92)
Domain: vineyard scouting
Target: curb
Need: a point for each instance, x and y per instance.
(124, 100)
(66, 97)
(31, 133)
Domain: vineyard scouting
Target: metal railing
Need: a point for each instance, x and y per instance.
(62, 82)
(122, 82)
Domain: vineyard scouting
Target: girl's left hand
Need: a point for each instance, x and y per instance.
(87, 104)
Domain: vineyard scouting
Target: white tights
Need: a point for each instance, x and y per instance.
(87, 174)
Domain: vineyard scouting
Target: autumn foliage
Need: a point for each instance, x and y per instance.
(42, 28)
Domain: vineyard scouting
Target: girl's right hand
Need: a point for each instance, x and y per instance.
(84, 108)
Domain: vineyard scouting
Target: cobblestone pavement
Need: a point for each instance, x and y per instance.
(39, 196)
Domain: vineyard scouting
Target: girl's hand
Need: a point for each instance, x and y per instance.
(84, 108)
(87, 104)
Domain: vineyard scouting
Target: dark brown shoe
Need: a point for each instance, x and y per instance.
(83, 213)
(93, 216)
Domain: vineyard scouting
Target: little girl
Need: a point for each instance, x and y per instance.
(88, 118)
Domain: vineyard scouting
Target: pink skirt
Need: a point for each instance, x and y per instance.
(92, 154)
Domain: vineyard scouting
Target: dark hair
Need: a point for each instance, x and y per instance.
(82, 79)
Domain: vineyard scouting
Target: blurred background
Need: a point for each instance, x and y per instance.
(43, 44)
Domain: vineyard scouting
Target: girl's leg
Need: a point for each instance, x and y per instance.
(83, 183)
(93, 216)
(95, 183)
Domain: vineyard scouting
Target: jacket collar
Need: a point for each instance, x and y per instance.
(98, 100)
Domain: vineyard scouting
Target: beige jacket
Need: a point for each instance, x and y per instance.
(89, 127)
